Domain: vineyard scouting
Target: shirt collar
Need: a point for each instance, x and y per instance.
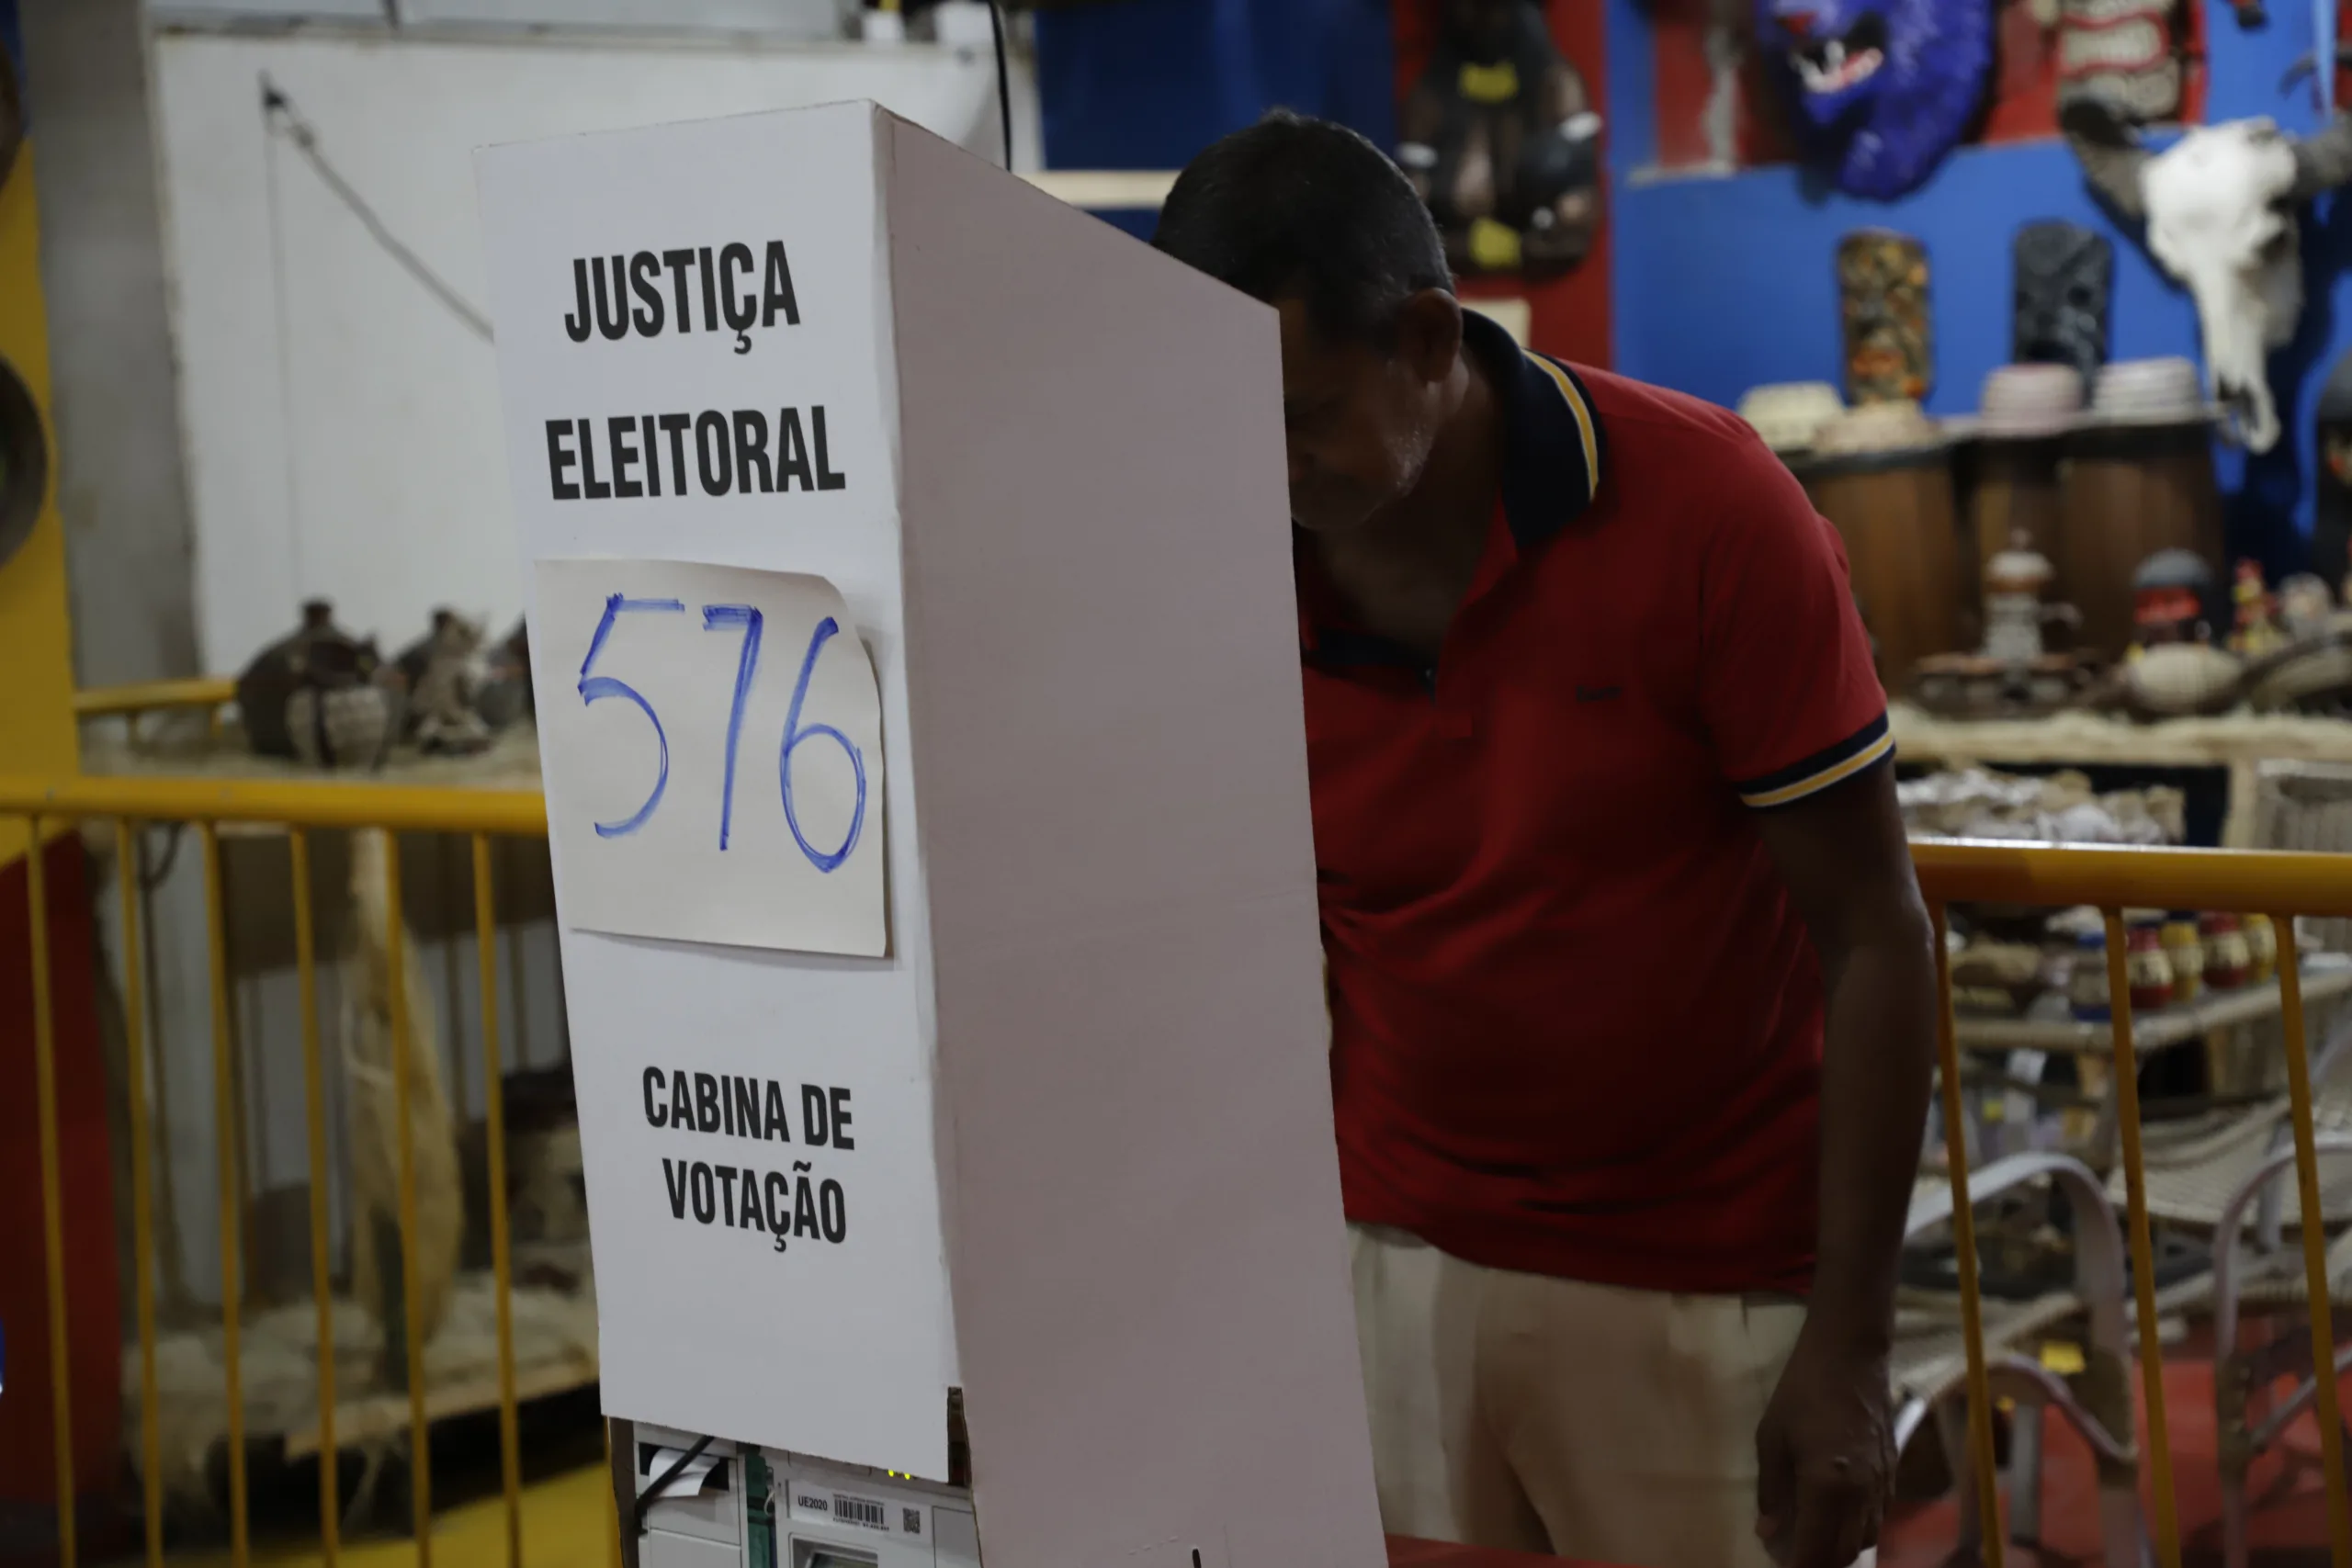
(1554, 447)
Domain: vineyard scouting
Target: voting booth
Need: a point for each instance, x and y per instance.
(918, 681)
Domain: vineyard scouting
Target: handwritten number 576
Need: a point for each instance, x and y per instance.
(717, 617)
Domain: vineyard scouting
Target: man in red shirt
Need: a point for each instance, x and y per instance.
(1632, 989)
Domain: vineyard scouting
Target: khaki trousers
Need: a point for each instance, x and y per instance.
(1522, 1413)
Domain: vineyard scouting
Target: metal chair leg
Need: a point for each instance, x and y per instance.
(2025, 1474)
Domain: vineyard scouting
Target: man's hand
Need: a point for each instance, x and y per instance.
(1825, 1453)
(1825, 1445)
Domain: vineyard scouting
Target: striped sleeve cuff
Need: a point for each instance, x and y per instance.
(1865, 748)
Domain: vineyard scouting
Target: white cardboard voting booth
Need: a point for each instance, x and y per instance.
(919, 697)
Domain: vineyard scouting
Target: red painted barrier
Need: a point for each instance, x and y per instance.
(27, 1468)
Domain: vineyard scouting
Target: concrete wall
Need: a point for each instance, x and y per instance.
(343, 421)
(122, 477)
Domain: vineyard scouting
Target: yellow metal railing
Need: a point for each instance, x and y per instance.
(154, 696)
(298, 808)
(2276, 885)
(2279, 885)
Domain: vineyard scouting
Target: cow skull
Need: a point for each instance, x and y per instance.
(2221, 206)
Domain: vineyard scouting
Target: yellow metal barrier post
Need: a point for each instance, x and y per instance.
(412, 1287)
(1963, 1243)
(2143, 1250)
(510, 1452)
(224, 1118)
(142, 1203)
(306, 969)
(2314, 1228)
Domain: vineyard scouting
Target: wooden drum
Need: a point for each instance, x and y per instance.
(2128, 491)
(1896, 513)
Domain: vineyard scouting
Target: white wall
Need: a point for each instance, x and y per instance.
(394, 499)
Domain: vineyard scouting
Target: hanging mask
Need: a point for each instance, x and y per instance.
(2062, 272)
(1884, 88)
(1501, 140)
(1882, 301)
(2120, 53)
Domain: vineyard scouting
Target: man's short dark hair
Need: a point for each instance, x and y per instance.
(1300, 208)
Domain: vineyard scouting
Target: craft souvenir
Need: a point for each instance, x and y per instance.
(1882, 304)
(2262, 949)
(2181, 679)
(2120, 53)
(2255, 633)
(2164, 391)
(2087, 995)
(2168, 598)
(2029, 401)
(2014, 675)
(2229, 958)
(2149, 966)
(1884, 88)
(319, 695)
(2305, 606)
(504, 694)
(1499, 137)
(2061, 275)
(2221, 206)
(443, 674)
(1789, 416)
(2186, 951)
(2015, 582)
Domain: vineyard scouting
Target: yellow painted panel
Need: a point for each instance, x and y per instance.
(564, 1525)
(37, 733)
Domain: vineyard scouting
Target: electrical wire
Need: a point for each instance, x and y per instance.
(662, 1483)
(282, 117)
(1003, 80)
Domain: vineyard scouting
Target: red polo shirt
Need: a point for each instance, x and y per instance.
(1576, 1023)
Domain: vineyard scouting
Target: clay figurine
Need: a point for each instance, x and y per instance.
(2168, 600)
(2014, 581)
(319, 695)
(442, 674)
(2255, 633)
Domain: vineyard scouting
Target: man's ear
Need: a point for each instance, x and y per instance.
(1429, 333)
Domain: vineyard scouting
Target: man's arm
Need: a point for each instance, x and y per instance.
(1825, 1445)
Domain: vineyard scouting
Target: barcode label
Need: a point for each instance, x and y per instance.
(861, 1511)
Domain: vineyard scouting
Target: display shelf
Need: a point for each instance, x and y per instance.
(2325, 978)
(2088, 740)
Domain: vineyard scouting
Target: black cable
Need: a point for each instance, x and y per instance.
(1004, 80)
(653, 1494)
(278, 110)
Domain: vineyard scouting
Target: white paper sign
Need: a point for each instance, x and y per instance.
(695, 358)
(718, 776)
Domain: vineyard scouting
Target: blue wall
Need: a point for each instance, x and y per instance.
(1146, 83)
(1725, 282)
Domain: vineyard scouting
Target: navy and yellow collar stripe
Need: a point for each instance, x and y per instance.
(1555, 448)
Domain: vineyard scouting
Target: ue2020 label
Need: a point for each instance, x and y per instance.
(712, 743)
